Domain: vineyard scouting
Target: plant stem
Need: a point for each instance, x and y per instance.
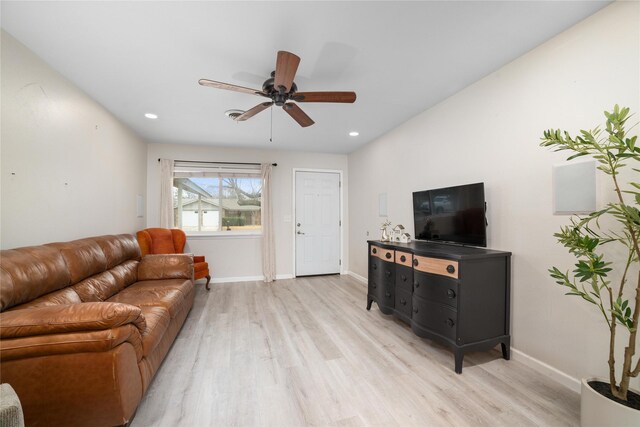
(612, 346)
(630, 350)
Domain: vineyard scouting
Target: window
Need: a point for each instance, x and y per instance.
(211, 198)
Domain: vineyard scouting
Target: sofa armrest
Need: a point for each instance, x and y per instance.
(89, 316)
(173, 266)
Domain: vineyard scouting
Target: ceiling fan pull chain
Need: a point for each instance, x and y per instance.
(271, 131)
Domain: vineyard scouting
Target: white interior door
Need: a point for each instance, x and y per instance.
(317, 223)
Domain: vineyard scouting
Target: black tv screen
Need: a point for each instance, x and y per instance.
(452, 214)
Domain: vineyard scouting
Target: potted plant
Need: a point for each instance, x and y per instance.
(611, 285)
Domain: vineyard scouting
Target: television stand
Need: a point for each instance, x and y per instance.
(458, 296)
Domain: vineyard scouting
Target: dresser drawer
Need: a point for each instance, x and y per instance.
(403, 302)
(388, 273)
(435, 317)
(404, 258)
(436, 288)
(443, 267)
(382, 253)
(404, 278)
(386, 296)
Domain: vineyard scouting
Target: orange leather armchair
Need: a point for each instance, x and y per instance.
(171, 241)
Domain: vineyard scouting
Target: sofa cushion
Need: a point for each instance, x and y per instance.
(63, 296)
(97, 288)
(158, 319)
(30, 272)
(171, 299)
(118, 249)
(125, 274)
(182, 285)
(84, 258)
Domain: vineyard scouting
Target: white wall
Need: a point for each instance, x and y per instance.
(238, 258)
(69, 168)
(490, 132)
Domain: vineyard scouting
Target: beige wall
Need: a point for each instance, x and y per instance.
(238, 258)
(69, 168)
(490, 132)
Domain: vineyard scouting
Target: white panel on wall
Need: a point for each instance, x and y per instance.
(382, 204)
(139, 206)
(574, 188)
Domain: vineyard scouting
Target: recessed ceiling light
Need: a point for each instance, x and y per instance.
(354, 133)
(151, 116)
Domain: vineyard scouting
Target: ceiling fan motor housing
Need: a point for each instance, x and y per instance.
(278, 97)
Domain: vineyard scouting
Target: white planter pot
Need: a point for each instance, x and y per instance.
(599, 411)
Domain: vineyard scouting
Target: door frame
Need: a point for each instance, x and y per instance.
(293, 216)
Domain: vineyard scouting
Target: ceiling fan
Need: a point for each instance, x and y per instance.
(280, 89)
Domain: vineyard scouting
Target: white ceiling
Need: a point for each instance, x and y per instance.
(399, 57)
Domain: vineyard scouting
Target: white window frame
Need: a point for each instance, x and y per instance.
(220, 171)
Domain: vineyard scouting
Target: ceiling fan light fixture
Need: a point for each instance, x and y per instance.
(151, 116)
(234, 114)
(354, 133)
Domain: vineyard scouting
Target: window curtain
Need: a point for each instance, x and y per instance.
(166, 193)
(268, 246)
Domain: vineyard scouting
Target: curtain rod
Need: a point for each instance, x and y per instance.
(221, 163)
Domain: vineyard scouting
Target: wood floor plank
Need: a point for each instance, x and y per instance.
(306, 352)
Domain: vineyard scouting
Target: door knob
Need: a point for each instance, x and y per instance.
(299, 232)
(298, 224)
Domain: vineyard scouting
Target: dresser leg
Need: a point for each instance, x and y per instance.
(369, 302)
(506, 350)
(459, 356)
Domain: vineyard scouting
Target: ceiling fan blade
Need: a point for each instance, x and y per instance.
(346, 97)
(227, 86)
(298, 115)
(286, 67)
(252, 112)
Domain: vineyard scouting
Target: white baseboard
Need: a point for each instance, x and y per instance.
(248, 278)
(546, 370)
(358, 277)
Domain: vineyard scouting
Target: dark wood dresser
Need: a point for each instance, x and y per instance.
(456, 295)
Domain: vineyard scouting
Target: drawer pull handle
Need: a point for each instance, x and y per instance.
(388, 273)
(451, 269)
(451, 293)
(403, 301)
(373, 285)
(387, 255)
(415, 262)
(415, 310)
(374, 250)
(450, 322)
(403, 277)
(388, 294)
(403, 258)
(416, 284)
(375, 267)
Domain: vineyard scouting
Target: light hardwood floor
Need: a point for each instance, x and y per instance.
(307, 352)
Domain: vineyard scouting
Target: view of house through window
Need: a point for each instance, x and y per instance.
(216, 199)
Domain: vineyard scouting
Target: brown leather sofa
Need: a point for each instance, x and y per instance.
(85, 326)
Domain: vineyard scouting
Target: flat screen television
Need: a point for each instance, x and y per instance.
(451, 214)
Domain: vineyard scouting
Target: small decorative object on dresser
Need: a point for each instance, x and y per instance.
(405, 238)
(397, 232)
(456, 295)
(385, 232)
